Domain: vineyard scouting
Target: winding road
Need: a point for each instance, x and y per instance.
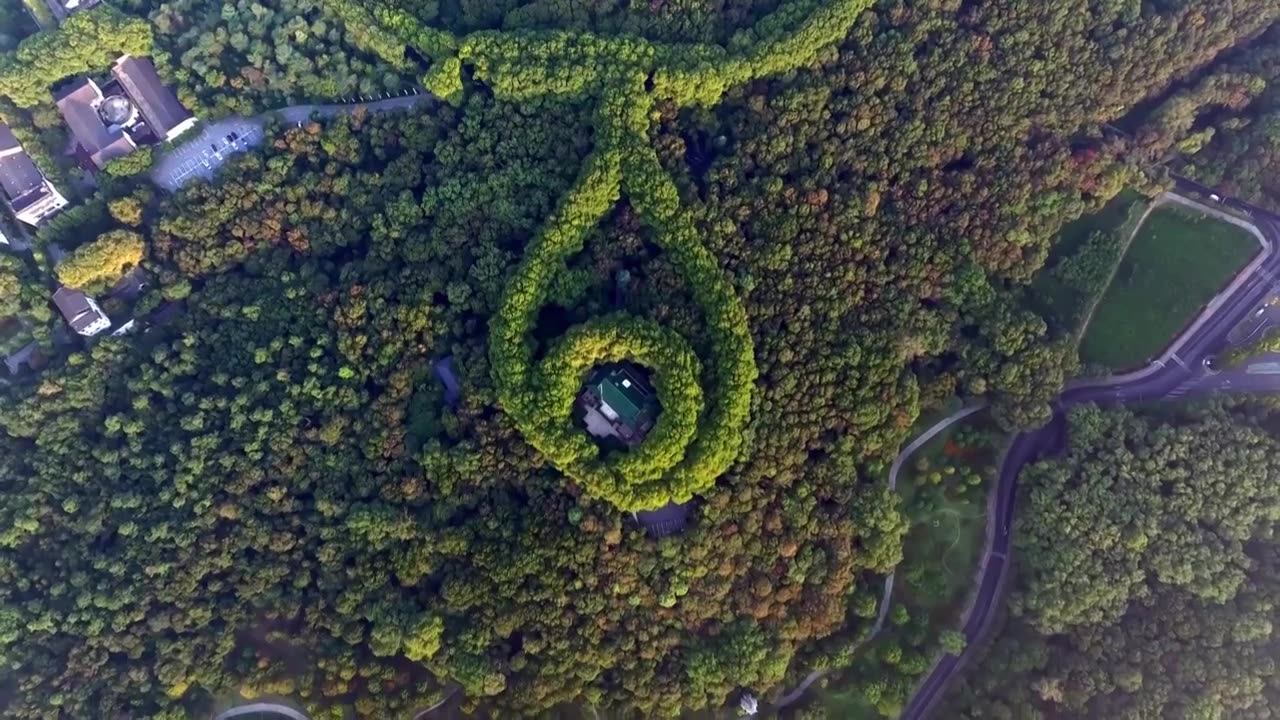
(887, 594)
(1178, 373)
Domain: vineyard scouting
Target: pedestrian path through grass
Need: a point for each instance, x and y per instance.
(944, 488)
(1177, 262)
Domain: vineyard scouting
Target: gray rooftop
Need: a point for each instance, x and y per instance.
(666, 520)
(8, 141)
(76, 103)
(20, 179)
(74, 306)
(155, 100)
(447, 371)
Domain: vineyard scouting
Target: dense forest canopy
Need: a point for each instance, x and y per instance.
(1148, 576)
(269, 494)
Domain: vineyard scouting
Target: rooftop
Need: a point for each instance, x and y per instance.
(618, 402)
(8, 141)
(447, 371)
(666, 520)
(78, 103)
(623, 395)
(20, 179)
(76, 308)
(155, 100)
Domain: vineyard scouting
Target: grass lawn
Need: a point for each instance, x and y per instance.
(944, 491)
(1177, 262)
(1063, 306)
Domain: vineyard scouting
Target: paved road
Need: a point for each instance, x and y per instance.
(220, 139)
(263, 709)
(1186, 375)
(887, 594)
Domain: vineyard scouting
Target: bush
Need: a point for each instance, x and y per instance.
(952, 642)
(135, 163)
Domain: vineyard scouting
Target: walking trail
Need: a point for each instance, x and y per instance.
(894, 470)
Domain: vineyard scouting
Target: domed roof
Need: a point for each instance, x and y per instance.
(117, 110)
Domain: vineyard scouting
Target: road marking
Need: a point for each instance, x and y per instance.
(1179, 361)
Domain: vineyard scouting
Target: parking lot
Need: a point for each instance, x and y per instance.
(202, 156)
(219, 140)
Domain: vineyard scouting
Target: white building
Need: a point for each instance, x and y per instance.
(81, 312)
(29, 194)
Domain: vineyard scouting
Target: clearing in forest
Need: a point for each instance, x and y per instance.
(944, 488)
(1176, 264)
(1083, 256)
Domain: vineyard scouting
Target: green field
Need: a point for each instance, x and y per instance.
(944, 492)
(1064, 306)
(1177, 262)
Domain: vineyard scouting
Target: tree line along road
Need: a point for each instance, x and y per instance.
(1179, 372)
(1159, 381)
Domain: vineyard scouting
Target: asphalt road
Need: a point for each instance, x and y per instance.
(1187, 375)
(219, 140)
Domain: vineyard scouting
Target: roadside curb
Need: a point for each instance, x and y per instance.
(971, 602)
(1184, 335)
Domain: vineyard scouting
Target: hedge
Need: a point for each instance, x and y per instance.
(700, 432)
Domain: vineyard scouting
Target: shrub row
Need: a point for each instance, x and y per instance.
(636, 479)
(692, 445)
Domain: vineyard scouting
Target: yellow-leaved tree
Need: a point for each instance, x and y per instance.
(95, 266)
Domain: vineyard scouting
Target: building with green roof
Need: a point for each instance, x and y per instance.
(619, 402)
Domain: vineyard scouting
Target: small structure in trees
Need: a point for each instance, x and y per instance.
(670, 519)
(447, 371)
(618, 402)
(81, 311)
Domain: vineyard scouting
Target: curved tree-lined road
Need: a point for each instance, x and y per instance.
(1181, 372)
(887, 594)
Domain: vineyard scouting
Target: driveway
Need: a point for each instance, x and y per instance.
(220, 139)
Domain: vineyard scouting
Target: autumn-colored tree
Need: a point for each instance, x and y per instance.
(94, 266)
